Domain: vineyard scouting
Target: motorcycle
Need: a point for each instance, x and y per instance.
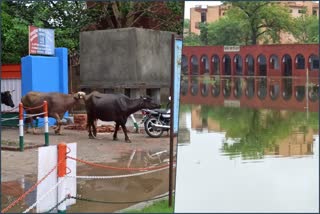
(157, 121)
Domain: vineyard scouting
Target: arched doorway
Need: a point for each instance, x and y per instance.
(194, 65)
(184, 65)
(204, 66)
(226, 65)
(215, 65)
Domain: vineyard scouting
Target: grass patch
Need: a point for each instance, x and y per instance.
(157, 207)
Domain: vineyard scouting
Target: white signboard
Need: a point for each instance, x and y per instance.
(231, 48)
(47, 160)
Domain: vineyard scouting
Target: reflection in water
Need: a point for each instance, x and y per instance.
(247, 159)
(122, 189)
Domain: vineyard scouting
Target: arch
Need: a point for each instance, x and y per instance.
(262, 88)
(250, 65)
(250, 87)
(226, 87)
(300, 62)
(238, 64)
(205, 88)
(194, 65)
(184, 87)
(237, 87)
(286, 65)
(215, 65)
(262, 65)
(194, 86)
(226, 65)
(274, 91)
(204, 64)
(286, 88)
(274, 62)
(313, 62)
(300, 93)
(313, 92)
(215, 88)
(184, 65)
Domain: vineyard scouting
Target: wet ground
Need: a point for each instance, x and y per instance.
(19, 169)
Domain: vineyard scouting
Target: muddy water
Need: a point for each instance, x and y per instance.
(109, 191)
(247, 160)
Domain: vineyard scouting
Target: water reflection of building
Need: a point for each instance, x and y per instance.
(298, 143)
(198, 122)
(184, 132)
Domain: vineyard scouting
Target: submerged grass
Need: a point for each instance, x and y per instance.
(157, 207)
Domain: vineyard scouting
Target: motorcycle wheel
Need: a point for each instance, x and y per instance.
(150, 130)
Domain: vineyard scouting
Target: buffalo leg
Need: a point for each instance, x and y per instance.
(115, 131)
(94, 127)
(57, 130)
(124, 128)
(89, 124)
(27, 123)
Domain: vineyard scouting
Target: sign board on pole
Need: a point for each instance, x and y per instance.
(41, 41)
(47, 160)
(176, 87)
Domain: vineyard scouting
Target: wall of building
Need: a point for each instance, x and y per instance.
(11, 80)
(126, 58)
(255, 50)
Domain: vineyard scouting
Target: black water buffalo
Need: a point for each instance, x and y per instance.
(113, 107)
(58, 105)
(6, 98)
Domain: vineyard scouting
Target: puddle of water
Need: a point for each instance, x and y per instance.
(247, 160)
(111, 190)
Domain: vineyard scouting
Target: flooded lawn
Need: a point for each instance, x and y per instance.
(101, 195)
(240, 159)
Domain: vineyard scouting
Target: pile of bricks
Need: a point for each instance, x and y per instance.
(80, 123)
(80, 119)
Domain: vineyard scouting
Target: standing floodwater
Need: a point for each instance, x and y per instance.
(244, 159)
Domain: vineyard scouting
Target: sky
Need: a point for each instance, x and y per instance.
(189, 4)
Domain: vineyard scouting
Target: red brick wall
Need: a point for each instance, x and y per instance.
(255, 50)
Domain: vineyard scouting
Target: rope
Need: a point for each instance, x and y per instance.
(45, 195)
(67, 197)
(11, 118)
(117, 202)
(33, 115)
(28, 191)
(117, 176)
(116, 168)
(30, 108)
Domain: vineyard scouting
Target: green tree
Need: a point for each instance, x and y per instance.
(14, 37)
(204, 33)
(258, 19)
(227, 31)
(306, 29)
(192, 40)
(186, 24)
(69, 18)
